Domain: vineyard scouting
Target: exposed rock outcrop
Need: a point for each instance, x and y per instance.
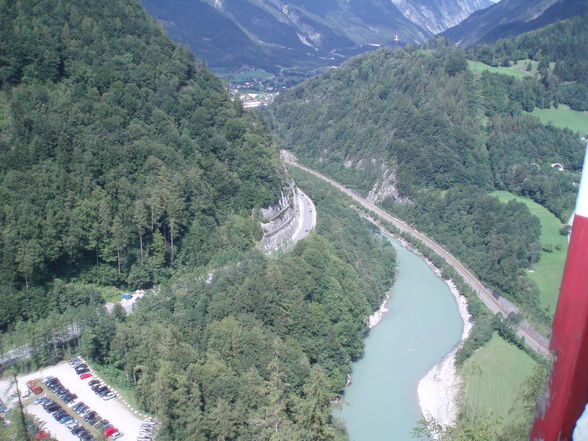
(385, 187)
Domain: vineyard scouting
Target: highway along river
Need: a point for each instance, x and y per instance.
(422, 326)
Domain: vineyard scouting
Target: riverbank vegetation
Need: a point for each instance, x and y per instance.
(434, 140)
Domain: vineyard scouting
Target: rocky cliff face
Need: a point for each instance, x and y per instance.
(439, 15)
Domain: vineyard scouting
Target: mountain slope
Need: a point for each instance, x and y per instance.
(119, 157)
(275, 33)
(416, 131)
(437, 16)
(513, 17)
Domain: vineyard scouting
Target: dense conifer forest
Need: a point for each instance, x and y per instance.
(120, 159)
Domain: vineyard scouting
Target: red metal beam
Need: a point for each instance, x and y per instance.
(559, 409)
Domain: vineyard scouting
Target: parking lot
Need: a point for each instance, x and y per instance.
(113, 410)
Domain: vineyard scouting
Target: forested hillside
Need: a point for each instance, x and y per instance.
(119, 157)
(427, 137)
(561, 51)
(259, 352)
(123, 163)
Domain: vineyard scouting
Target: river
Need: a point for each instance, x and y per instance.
(422, 326)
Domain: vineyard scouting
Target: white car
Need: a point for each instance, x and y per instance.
(116, 435)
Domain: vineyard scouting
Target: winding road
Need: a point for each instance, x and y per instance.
(532, 338)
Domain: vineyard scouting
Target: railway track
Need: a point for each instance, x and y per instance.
(532, 338)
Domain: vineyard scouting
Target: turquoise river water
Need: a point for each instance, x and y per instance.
(422, 326)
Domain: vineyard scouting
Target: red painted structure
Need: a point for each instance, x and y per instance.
(558, 411)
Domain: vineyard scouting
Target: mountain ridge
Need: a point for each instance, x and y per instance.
(513, 17)
(273, 34)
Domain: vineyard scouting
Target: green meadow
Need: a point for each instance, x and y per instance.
(493, 377)
(564, 117)
(516, 70)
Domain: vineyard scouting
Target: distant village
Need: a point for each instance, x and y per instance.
(255, 87)
(251, 99)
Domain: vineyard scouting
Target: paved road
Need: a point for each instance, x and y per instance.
(298, 221)
(306, 221)
(535, 341)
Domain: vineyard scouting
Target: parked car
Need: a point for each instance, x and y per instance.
(101, 425)
(93, 382)
(110, 431)
(71, 424)
(116, 435)
(104, 392)
(76, 430)
(65, 419)
(34, 387)
(52, 408)
(82, 367)
(69, 397)
(83, 410)
(86, 375)
(74, 362)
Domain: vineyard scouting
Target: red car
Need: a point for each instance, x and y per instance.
(86, 375)
(110, 431)
(34, 387)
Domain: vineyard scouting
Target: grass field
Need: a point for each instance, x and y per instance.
(493, 377)
(517, 70)
(249, 75)
(548, 271)
(564, 117)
